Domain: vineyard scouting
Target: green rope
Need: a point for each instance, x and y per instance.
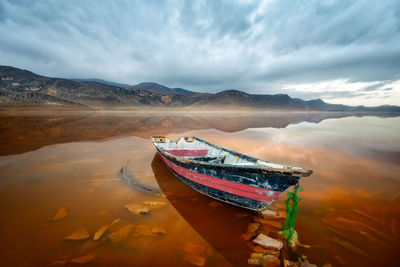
(291, 212)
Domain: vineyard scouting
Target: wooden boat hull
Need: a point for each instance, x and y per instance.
(244, 186)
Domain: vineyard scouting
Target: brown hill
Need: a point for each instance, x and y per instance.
(24, 87)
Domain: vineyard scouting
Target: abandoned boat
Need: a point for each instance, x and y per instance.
(226, 175)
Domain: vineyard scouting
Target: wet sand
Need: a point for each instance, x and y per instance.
(349, 215)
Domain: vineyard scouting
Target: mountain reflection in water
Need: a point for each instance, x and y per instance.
(349, 215)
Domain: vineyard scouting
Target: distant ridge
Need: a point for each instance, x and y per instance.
(160, 89)
(101, 81)
(24, 87)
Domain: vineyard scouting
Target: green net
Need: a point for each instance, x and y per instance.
(291, 212)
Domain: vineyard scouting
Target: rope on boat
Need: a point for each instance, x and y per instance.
(291, 212)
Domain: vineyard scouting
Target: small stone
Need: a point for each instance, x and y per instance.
(294, 241)
(287, 263)
(254, 261)
(155, 204)
(83, 259)
(100, 232)
(269, 251)
(268, 242)
(259, 249)
(194, 259)
(269, 214)
(121, 233)
(256, 255)
(195, 249)
(143, 230)
(79, 234)
(270, 260)
(60, 214)
(307, 264)
(252, 228)
(159, 231)
(137, 209)
(116, 224)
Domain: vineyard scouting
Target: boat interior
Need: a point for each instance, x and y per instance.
(199, 150)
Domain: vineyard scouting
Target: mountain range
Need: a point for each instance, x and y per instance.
(22, 87)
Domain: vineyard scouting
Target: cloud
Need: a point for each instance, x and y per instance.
(257, 46)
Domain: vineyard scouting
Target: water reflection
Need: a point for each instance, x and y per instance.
(220, 224)
(349, 215)
(22, 133)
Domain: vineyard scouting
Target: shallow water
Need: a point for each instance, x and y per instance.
(349, 214)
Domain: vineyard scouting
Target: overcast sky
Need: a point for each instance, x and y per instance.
(340, 51)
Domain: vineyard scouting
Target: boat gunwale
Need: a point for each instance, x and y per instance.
(242, 168)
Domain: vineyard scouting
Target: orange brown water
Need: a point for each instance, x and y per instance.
(349, 215)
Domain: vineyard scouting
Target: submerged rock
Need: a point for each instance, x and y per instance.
(307, 264)
(195, 249)
(253, 261)
(252, 228)
(268, 242)
(155, 204)
(294, 241)
(269, 214)
(79, 234)
(194, 259)
(83, 259)
(270, 260)
(143, 230)
(159, 231)
(121, 234)
(137, 209)
(100, 232)
(263, 259)
(287, 263)
(60, 214)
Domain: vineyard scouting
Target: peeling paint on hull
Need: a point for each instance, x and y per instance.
(247, 186)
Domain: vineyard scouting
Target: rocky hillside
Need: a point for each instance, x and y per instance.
(24, 87)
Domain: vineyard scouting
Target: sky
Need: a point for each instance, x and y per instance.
(340, 51)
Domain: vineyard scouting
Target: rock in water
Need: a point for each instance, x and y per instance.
(137, 209)
(287, 263)
(83, 259)
(269, 214)
(79, 234)
(195, 249)
(195, 260)
(268, 242)
(270, 260)
(155, 204)
(143, 230)
(60, 214)
(159, 231)
(100, 232)
(252, 228)
(121, 234)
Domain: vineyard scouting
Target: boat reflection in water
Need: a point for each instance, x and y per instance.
(220, 224)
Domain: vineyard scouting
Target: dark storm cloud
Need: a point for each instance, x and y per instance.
(258, 46)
